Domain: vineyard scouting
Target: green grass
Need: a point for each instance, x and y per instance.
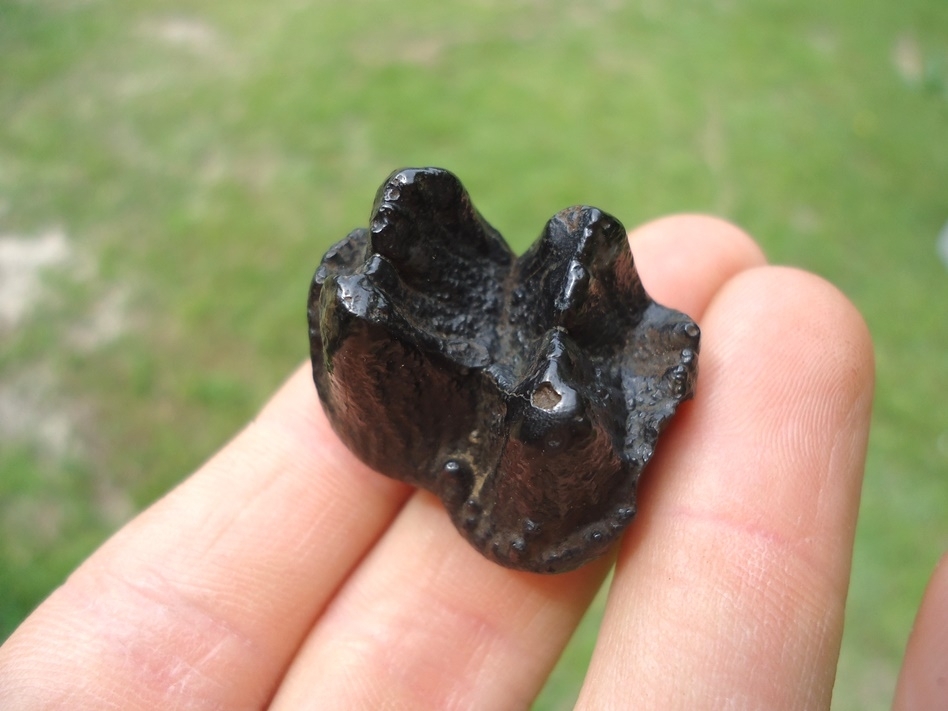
(200, 156)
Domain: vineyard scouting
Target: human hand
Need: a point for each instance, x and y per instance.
(286, 573)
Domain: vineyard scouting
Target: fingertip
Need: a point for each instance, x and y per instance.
(684, 258)
(818, 331)
(686, 227)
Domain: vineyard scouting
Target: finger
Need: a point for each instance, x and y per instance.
(923, 681)
(426, 622)
(203, 599)
(730, 592)
(684, 259)
(219, 570)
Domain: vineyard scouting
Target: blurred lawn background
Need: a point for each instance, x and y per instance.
(171, 172)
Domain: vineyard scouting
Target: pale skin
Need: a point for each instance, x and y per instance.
(286, 574)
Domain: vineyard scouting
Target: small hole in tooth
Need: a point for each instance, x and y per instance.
(545, 397)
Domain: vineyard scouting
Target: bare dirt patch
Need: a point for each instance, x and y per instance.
(22, 262)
